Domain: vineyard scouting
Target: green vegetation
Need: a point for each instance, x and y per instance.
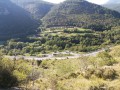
(17, 72)
(74, 25)
(70, 74)
(77, 13)
(13, 74)
(96, 72)
(59, 39)
(81, 13)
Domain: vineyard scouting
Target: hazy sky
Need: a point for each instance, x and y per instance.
(94, 1)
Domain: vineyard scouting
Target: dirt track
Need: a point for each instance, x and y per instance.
(51, 56)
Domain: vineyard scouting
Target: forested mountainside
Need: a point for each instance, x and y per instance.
(18, 18)
(82, 14)
(14, 21)
(36, 8)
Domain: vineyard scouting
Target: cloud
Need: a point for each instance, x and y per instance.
(55, 1)
(98, 1)
(93, 1)
(114, 1)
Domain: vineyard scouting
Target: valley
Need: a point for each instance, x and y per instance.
(72, 45)
(61, 39)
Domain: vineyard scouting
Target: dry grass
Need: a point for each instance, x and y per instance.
(67, 74)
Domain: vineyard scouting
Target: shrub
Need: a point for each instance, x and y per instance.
(100, 87)
(7, 79)
(99, 73)
(19, 76)
(73, 75)
(106, 59)
(107, 73)
(88, 73)
(115, 51)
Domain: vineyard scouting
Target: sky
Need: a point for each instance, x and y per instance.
(93, 1)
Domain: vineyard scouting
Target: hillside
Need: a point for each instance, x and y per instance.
(36, 8)
(100, 72)
(14, 21)
(83, 14)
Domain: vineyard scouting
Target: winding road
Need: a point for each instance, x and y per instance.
(53, 57)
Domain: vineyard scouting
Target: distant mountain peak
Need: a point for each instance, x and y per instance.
(36, 8)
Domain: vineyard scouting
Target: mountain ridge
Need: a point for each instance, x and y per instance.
(81, 13)
(36, 8)
(14, 21)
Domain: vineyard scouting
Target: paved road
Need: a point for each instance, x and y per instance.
(52, 56)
